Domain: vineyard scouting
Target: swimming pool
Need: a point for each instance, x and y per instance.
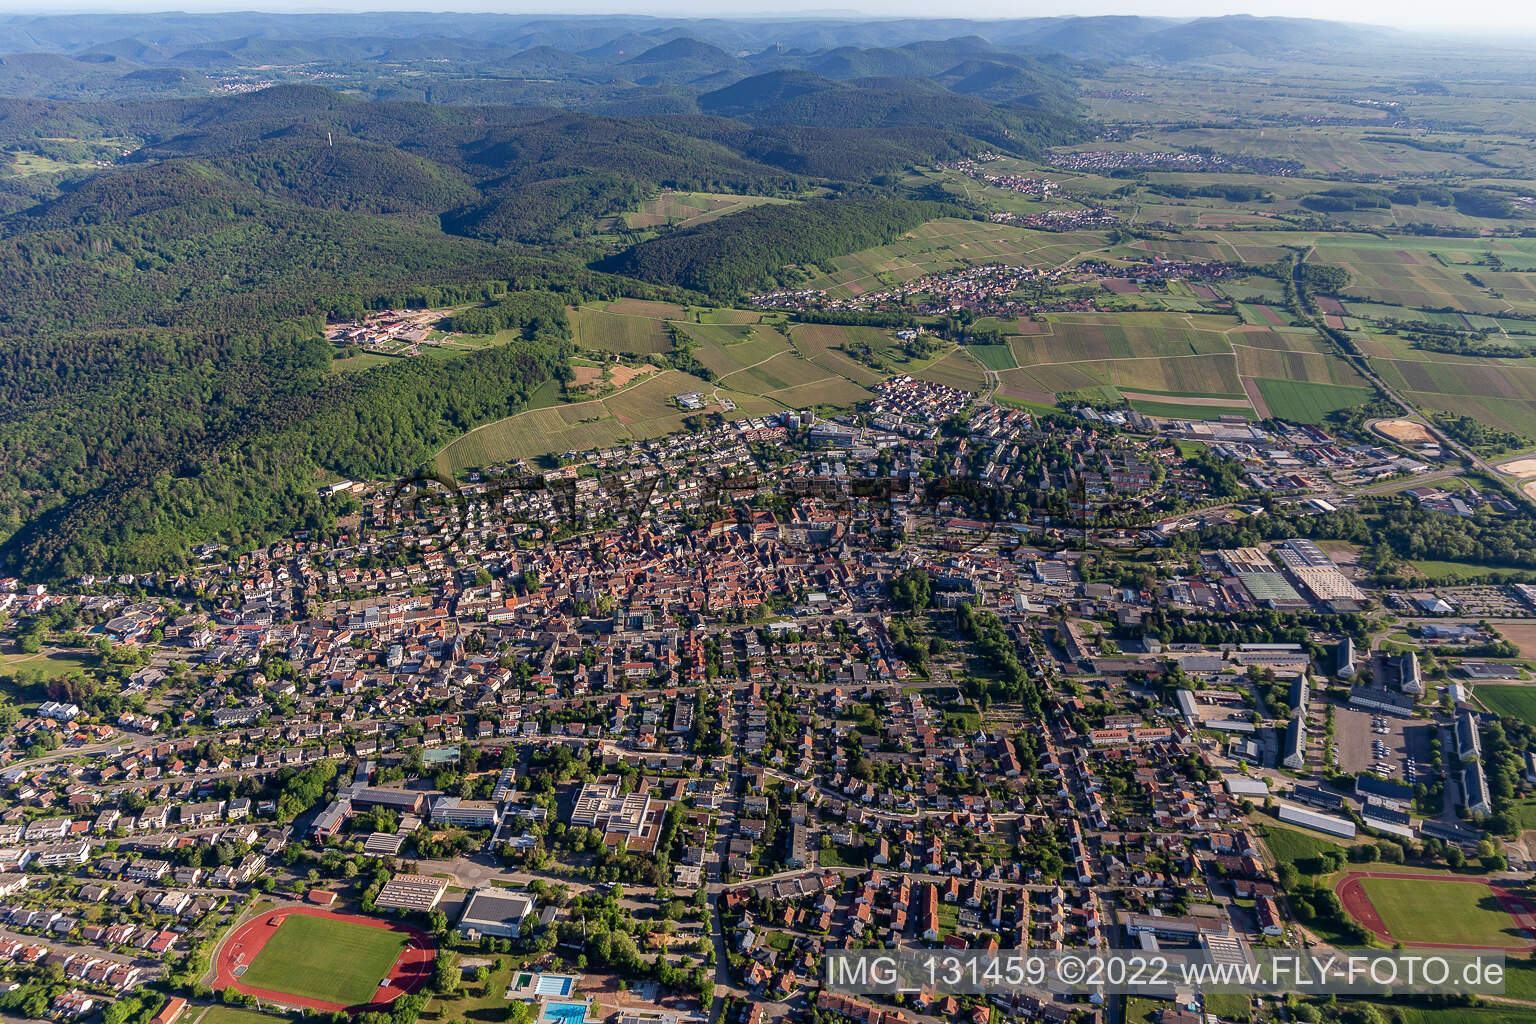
(552, 985)
(565, 1013)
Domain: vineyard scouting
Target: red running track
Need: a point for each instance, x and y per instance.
(410, 974)
(1358, 905)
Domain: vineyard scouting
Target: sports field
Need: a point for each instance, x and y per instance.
(1418, 910)
(320, 957)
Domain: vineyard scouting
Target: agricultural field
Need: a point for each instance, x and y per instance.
(1080, 337)
(1187, 410)
(645, 409)
(686, 209)
(728, 348)
(956, 370)
(1291, 355)
(1498, 392)
(757, 368)
(1405, 278)
(628, 326)
(1327, 149)
(1182, 365)
(1303, 402)
(945, 244)
(993, 357)
(866, 355)
(1517, 702)
(325, 958)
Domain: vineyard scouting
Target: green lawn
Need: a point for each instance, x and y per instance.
(1231, 1006)
(1144, 1011)
(1518, 702)
(323, 958)
(227, 1015)
(49, 666)
(1520, 978)
(1524, 811)
(1411, 1014)
(1419, 910)
(1288, 846)
(1439, 571)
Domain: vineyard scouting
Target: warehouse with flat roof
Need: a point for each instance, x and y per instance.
(1293, 815)
(497, 912)
(412, 892)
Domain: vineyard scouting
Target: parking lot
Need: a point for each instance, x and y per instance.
(1485, 601)
(1393, 748)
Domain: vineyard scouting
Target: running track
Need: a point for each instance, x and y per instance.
(1357, 904)
(410, 973)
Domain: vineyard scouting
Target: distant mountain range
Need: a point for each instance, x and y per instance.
(616, 64)
(159, 38)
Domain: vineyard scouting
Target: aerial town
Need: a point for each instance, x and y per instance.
(691, 514)
(650, 733)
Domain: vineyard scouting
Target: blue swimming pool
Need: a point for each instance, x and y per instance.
(552, 985)
(565, 1013)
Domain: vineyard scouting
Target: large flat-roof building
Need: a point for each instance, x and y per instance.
(1380, 698)
(631, 819)
(496, 912)
(1393, 794)
(412, 892)
(403, 801)
(452, 810)
(1293, 815)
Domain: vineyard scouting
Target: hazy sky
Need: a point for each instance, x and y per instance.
(1481, 17)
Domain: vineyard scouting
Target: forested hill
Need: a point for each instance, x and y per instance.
(500, 173)
(755, 248)
(162, 378)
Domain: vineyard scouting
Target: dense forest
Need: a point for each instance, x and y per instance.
(300, 426)
(751, 249)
